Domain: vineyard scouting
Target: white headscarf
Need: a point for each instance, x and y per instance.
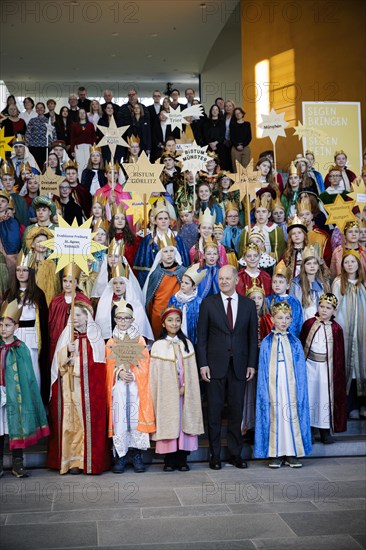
(103, 315)
(157, 261)
(102, 280)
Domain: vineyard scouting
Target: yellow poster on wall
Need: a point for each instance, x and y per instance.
(340, 123)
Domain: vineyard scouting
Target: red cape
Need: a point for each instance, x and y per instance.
(246, 281)
(339, 372)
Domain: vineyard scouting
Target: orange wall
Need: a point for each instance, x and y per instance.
(330, 59)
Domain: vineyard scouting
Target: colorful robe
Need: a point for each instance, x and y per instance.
(297, 313)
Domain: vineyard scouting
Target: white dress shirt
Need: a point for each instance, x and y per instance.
(234, 304)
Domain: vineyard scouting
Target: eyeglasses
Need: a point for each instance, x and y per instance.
(336, 176)
(123, 318)
(233, 216)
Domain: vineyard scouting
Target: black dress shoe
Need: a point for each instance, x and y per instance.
(168, 468)
(238, 462)
(215, 464)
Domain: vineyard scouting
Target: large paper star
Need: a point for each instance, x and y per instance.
(176, 117)
(127, 352)
(304, 131)
(49, 182)
(358, 193)
(144, 177)
(73, 243)
(245, 177)
(135, 208)
(340, 212)
(194, 158)
(273, 125)
(112, 136)
(4, 143)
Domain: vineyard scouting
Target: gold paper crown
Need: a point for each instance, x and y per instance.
(185, 207)
(4, 194)
(120, 209)
(206, 217)
(7, 169)
(351, 223)
(114, 249)
(281, 269)
(118, 270)
(213, 156)
(95, 149)
(333, 167)
(158, 207)
(101, 224)
(100, 199)
(303, 204)
(19, 138)
(256, 287)
(11, 310)
(25, 260)
(193, 273)
(340, 152)
(133, 139)
(300, 158)
(70, 164)
(329, 298)
(35, 232)
(296, 222)
(263, 202)
(292, 170)
(310, 251)
(256, 232)
(70, 269)
(278, 204)
(281, 306)
(210, 241)
(351, 252)
(252, 246)
(123, 307)
(231, 205)
(109, 166)
(218, 226)
(25, 166)
(308, 152)
(166, 240)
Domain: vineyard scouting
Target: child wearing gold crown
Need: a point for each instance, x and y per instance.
(211, 266)
(93, 176)
(187, 228)
(307, 208)
(119, 229)
(322, 338)
(175, 393)
(149, 246)
(251, 271)
(206, 222)
(188, 300)
(311, 283)
(206, 200)
(112, 191)
(163, 281)
(282, 425)
(350, 290)
(233, 229)
(351, 236)
(25, 424)
(8, 183)
(130, 409)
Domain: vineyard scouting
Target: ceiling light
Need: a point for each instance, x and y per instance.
(154, 35)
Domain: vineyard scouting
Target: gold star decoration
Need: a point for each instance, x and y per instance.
(135, 208)
(127, 352)
(73, 243)
(4, 143)
(340, 212)
(273, 125)
(358, 193)
(304, 131)
(143, 177)
(49, 182)
(112, 136)
(194, 158)
(245, 177)
(176, 117)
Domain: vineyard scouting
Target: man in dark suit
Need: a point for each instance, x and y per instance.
(155, 108)
(227, 350)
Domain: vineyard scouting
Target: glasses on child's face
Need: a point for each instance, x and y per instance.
(123, 319)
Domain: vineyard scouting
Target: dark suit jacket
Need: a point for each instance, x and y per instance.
(216, 343)
(153, 115)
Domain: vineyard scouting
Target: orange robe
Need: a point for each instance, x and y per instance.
(167, 288)
(146, 417)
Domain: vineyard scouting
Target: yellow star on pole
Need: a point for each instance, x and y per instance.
(358, 193)
(112, 136)
(245, 177)
(273, 125)
(340, 212)
(135, 208)
(144, 177)
(49, 182)
(304, 131)
(4, 143)
(73, 243)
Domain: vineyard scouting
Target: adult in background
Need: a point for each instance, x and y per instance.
(227, 348)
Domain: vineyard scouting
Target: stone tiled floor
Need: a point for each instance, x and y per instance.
(321, 506)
